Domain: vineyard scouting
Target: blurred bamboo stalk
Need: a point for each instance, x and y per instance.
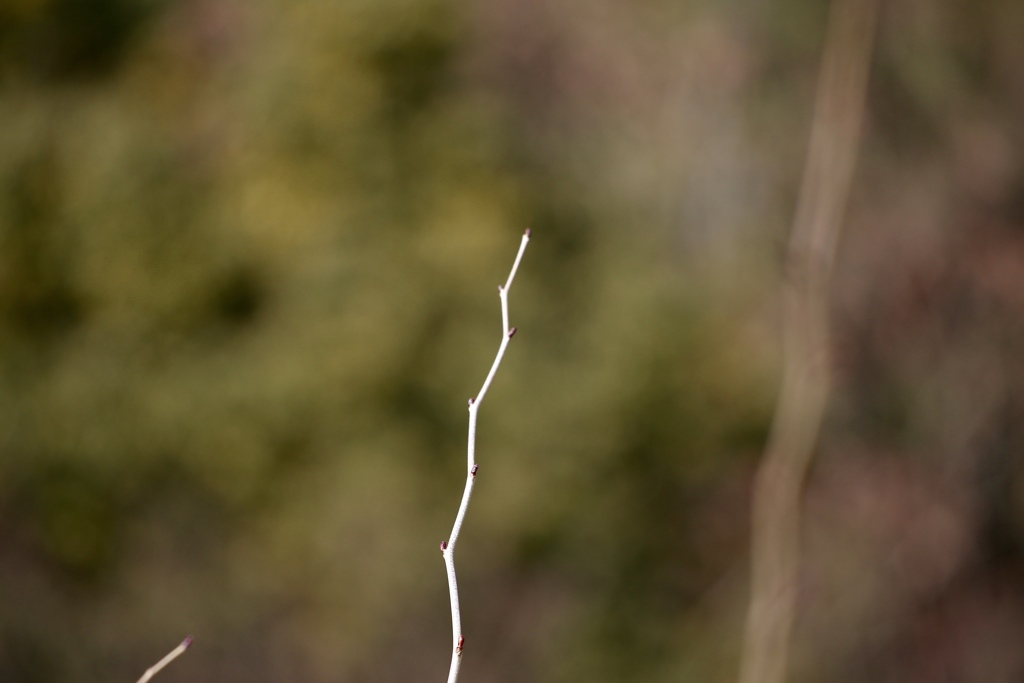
(831, 156)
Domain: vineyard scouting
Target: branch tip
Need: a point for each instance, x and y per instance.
(168, 658)
(474, 403)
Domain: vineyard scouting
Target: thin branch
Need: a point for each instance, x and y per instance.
(775, 523)
(448, 547)
(170, 657)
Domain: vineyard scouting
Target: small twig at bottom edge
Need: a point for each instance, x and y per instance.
(168, 658)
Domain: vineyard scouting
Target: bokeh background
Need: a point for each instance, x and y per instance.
(248, 258)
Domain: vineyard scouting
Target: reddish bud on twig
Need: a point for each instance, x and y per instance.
(512, 333)
(475, 468)
(185, 643)
(471, 401)
(444, 546)
(528, 232)
(462, 641)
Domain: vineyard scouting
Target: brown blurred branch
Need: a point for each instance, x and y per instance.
(775, 531)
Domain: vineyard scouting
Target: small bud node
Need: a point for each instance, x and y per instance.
(444, 546)
(512, 333)
(475, 468)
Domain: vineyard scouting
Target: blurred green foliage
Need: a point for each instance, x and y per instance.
(248, 253)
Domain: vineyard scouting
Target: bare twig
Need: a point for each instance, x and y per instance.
(775, 531)
(448, 547)
(170, 657)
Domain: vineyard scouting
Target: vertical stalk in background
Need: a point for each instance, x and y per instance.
(448, 547)
(831, 156)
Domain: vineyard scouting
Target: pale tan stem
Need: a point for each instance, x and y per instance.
(775, 523)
